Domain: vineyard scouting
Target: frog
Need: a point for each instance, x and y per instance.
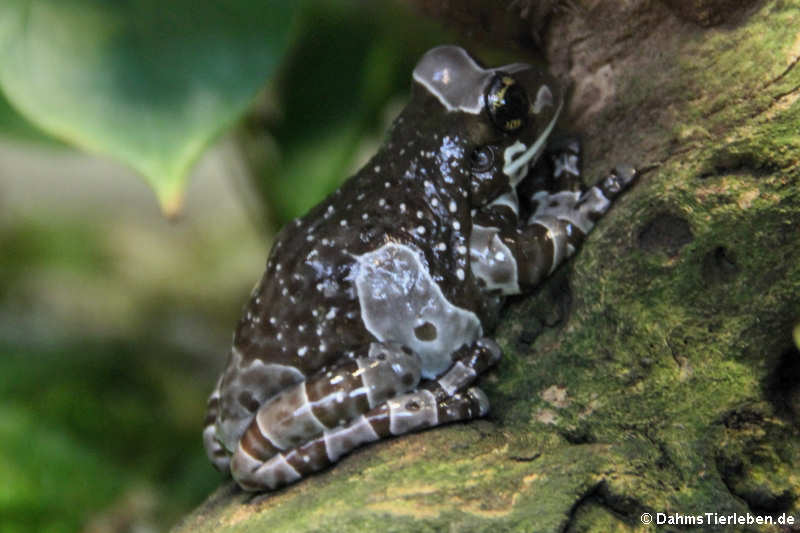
(373, 316)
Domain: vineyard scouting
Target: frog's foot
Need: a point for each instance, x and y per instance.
(562, 219)
(403, 414)
(311, 408)
(216, 452)
(617, 181)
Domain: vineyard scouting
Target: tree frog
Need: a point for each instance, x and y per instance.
(372, 316)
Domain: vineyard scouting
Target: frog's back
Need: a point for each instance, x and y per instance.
(305, 312)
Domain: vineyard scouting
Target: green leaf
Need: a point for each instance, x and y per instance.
(327, 109)
(149, 83)
(15, 126)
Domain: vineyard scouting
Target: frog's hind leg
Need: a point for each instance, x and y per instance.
(403, 414)
(308, 409)
(260, 464)
(438, 401)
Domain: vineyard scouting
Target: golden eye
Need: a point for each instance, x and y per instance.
(507, 103)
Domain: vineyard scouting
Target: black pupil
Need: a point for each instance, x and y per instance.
(507, 103)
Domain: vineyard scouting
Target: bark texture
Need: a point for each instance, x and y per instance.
(656, 372)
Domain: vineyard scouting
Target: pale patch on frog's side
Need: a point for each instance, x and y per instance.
(401, 302)
(492, 261)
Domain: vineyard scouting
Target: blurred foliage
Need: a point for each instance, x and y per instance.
(15, 126)
(151, 85)
(145, 82)
(95, 417)
(79, 427)
(307, 134)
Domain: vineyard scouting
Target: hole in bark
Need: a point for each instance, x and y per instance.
(783, 384)
(579, 436)
(665, 233)
(719, 266)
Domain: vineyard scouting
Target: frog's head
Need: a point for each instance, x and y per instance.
(502, 116)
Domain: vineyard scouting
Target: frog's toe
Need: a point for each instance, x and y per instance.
(617, 181)
(493, 350)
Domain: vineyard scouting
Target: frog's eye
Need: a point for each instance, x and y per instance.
(481, 158)
(507, 103)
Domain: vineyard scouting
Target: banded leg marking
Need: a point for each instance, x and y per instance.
(308, 409)
(481, 355)
(214, 449)
(397, 416)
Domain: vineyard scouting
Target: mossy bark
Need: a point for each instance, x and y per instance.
(655, 372)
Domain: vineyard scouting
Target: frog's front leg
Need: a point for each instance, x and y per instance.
(509, 257)
(264, 460)
(562, 220)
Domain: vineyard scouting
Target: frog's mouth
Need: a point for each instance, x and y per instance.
(516, 169)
